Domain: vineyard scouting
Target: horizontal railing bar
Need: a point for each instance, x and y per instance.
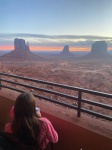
(107, 95)
(67, 105)
(57, 102)
(46, 98)
(96, 104)
(61, 85)
(18, 90)
(96, 114)
(61, 94)
(41, 89)
(40, 81)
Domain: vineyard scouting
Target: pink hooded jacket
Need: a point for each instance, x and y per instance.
(48, 133)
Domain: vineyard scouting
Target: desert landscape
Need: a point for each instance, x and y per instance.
(92, 71)
(83, 72)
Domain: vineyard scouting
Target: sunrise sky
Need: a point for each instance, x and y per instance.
(52, 24)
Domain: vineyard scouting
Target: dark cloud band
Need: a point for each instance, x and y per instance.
(54, 40)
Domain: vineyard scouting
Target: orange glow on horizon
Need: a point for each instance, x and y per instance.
(49, 48)
(80, 49)
(110, 48)
(54, 48)
(9, 47)
(45, 48)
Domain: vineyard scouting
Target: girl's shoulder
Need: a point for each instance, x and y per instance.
(45, 120)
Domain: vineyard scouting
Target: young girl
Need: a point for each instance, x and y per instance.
(27, 123)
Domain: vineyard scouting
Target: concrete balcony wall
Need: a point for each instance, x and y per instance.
(5, 105)
(74, 137)
(71, 136)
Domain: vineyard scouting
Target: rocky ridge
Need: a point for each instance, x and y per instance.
(21, 52)
(99, 51)
(66, 53)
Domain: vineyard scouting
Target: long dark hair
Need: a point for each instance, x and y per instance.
(26, 124)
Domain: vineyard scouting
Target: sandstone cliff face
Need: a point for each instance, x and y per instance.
(21, 52)
(99, 47)
(99, 51)
(66, 53)
(20, 44)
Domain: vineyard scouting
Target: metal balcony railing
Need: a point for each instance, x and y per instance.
(77, 98)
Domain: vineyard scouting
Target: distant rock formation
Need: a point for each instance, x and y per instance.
(99, 51)
(19, 44)
(66, 53)
(21, 52)
(99, 47)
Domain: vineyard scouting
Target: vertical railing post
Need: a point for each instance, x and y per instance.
(79, 103)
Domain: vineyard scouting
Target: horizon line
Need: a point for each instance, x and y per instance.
(51, 48)
(47, 48)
